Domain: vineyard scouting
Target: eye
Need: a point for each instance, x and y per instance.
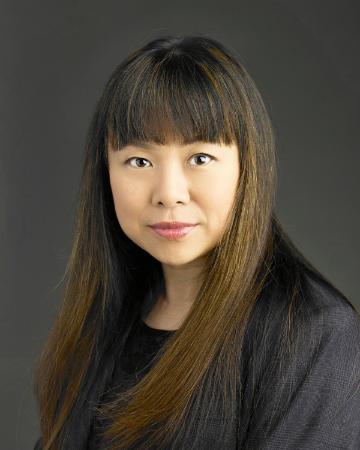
(144, 159)
(136, 158)
(202, 155)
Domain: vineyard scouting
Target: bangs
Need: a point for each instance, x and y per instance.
(171, 100)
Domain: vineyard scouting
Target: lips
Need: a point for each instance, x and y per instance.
(172, 225)
(174, 233)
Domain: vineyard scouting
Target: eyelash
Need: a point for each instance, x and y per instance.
(127, 162)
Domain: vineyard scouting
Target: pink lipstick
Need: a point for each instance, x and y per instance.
(173, 230)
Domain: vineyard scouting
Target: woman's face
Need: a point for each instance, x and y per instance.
(193, 183)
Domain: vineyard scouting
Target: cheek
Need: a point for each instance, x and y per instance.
(220, 194)
(125, 200)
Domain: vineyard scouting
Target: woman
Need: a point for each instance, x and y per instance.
(219, 334)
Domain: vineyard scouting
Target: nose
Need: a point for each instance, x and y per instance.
(171, 186)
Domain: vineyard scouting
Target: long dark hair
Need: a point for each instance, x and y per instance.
(256, 294)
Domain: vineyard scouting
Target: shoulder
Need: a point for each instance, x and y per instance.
(304, 339)
(324, 293)
(335, 357)
(309, 391)
(324, 363)
(331, 324)
(306, 305)
(333, 314)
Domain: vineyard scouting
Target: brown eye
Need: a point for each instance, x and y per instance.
(135, 158)
(202, 155)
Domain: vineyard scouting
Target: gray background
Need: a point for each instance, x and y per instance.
(55, 59)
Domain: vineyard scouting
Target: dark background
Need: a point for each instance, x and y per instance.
(55, 60)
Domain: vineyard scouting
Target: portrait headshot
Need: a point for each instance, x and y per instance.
(192, 283)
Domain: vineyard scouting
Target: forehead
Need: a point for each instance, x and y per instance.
(152, 146)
